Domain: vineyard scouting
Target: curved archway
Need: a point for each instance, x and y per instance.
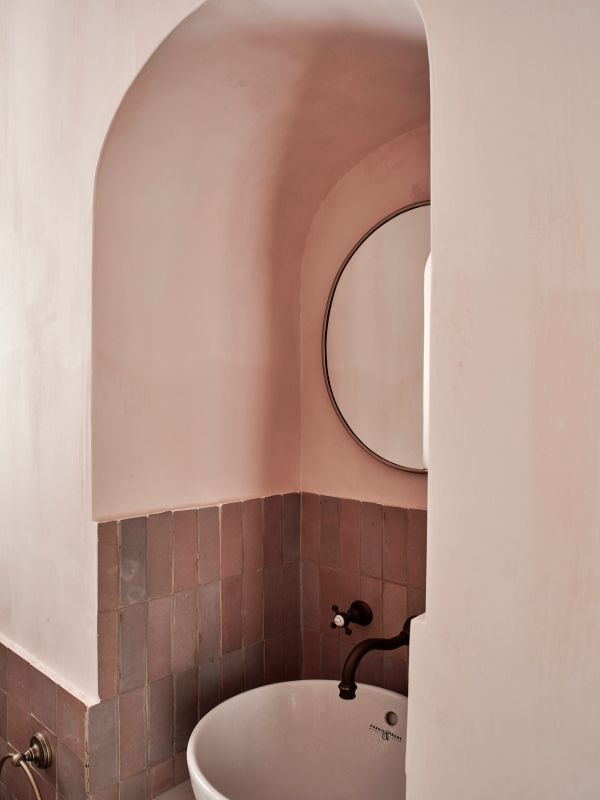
(216, 163)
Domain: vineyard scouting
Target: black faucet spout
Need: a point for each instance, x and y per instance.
(347, 685)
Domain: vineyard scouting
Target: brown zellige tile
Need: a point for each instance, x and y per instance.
(3, 660)
(232, 674)
(70, 774)
(19, 725)
(274, 659)
(273, 599)
(209, 621)
(292, 655)
(160, 626)
(310, 526)
(160, 778)
(43, 699)
(132, 561)
(350, 530)
(310, 594)
(372, 540)
(103, 752)
(231, 610)
(134, 788)
(273, 530)
(395, 608)
(254, 666)
(291, 595)
(161, 720)
(231, 540)
(132, 646)
(186, 706)
(18, 680)
(108, 665)
(252, 513)
(108, 566)
(70, 722)
(185, 549)
(185, 630)
(329, 551)
(180, 768)
(252, 607)
(395, 536)
(209, 686)
(209, 547)
(132, 732)
(291, 527)
(160, 555)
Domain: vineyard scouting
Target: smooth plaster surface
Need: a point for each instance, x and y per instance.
(504, 669)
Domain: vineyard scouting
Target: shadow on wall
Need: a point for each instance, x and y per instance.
(210, 175)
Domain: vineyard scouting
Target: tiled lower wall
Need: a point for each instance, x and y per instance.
(353, 550)
(198, 605)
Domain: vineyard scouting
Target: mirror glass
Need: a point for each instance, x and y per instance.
(373, 338)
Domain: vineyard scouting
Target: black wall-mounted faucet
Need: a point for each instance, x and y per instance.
(347, 685)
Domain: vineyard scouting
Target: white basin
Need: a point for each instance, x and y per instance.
(300, 741)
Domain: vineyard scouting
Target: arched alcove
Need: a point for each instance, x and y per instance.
(218, 159)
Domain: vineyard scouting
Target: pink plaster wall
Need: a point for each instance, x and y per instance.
(332, 462)
(216, 163)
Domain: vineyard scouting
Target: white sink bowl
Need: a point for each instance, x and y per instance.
(300, 741)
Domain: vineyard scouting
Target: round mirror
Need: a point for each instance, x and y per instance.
(373, 338)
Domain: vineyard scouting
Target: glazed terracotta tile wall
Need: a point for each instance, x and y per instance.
(353, 550)
(198, 605)
(194, 607)
(31, 702)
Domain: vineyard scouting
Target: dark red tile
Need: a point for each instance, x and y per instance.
(417, 549)
(160, 555)
(231, 540)
(43, 699)
(273, 530)
(329, 595)
(209, 621)
(70, 774)
(3, 667)
(185, 549)
(395, 608)
(161, 720)
(292, 655)
(395, 538)
(254, 666)
(186, 706)
(132, 561)
(370, 669)
(252, 608)
(274, 663)
(132, 646)
(180, 768)
(273, 594)
(108, 566)
(329, 551)
(185, 630)
(350, 534)
(112, 793)
(103, 751)
(231, 611)
(209, 686)
(108, 665)
(70, 722)
(134, 788)
(395, 673)
(18, 681)
(330, 659)
(252, 513)
(291, 595)
(132, 732)
(416, 601)
(232, 674)
(160, 633)
(310, 525)
(291, 527)
(3, 715)
(310, 594)
(371, 591)
(19, 725)
(160, 778)
(372, 540)
(209, 545)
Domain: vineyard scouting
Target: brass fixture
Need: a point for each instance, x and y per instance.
(39, 753)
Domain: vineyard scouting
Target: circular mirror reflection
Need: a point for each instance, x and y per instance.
(373, 338)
